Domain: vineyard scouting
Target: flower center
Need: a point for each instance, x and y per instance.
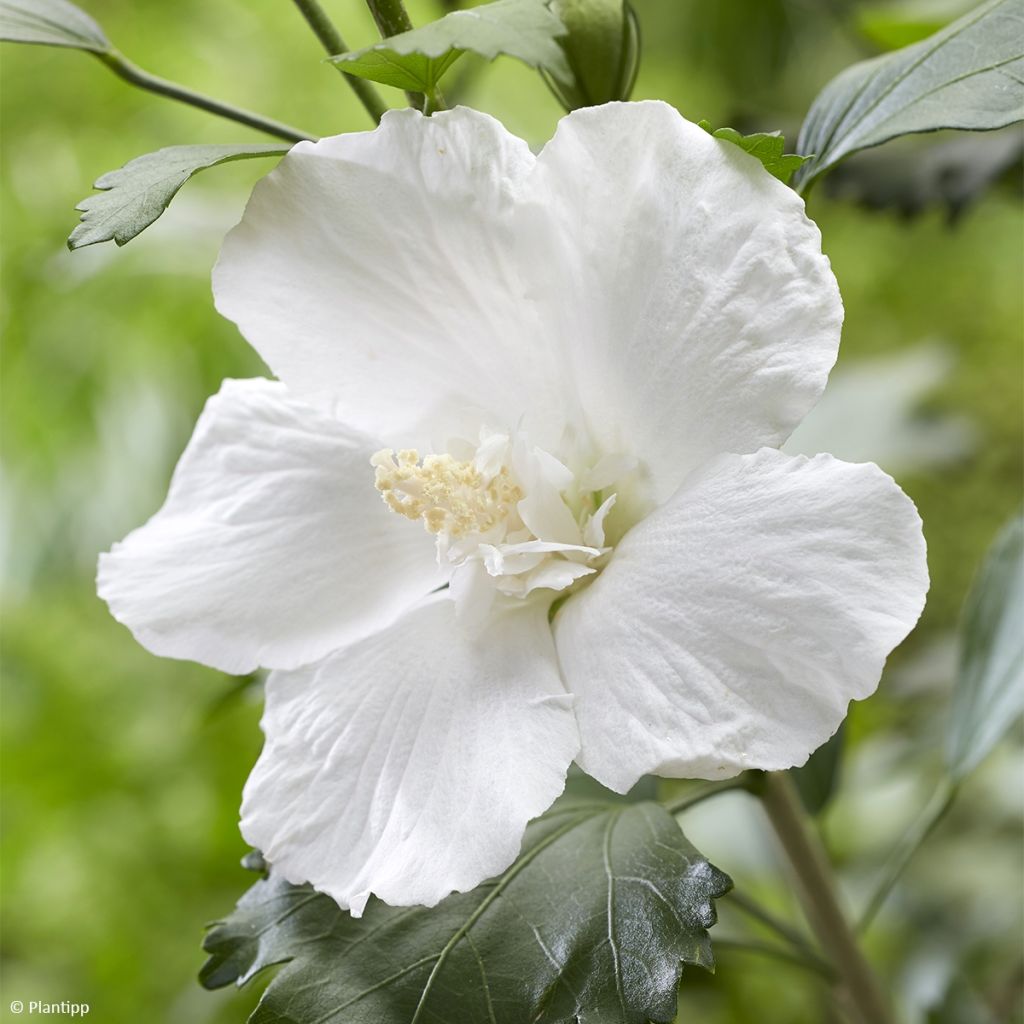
(511, 519)
(450, 497)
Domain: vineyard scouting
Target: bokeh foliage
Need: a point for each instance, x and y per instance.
(122, 772)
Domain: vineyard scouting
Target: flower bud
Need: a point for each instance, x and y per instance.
(603, 51)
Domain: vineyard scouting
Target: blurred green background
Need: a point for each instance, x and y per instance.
(122, 772)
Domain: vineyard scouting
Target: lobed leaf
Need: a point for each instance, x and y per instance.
(591, 925)
(133, 196)
(968, 76)
(416, 60)
(50, 23)
(989, 692)
(765, 146)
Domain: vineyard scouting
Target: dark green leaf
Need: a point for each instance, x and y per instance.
(136, 194)
(967, 76)
(602, 46)
(416, 60)
(816, 781)
(50, 23)
(589, 926)
(989, 692)
(579, 786)
(766, 146)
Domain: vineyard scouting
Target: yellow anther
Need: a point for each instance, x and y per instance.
(451, 497)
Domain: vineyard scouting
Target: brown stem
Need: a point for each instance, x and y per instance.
(817, 892)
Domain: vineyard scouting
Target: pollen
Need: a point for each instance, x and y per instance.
(452, 498)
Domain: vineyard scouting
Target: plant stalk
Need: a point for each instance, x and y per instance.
(783, 929)
(392, 19)
(390, 15)
(818, 894)
(705, 792)
(815, 964)
(908, 847)
(324, 29)
(132, 73)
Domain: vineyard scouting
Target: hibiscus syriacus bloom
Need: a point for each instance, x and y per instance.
(516, 498)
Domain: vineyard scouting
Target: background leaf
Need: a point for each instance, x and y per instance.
(989, 693)
(50, 23)
(816, 780)
(416, 60)
(894, 23)
(133, 196)
(918, 173)
(590, 925)
(766, 146)
(969, 76)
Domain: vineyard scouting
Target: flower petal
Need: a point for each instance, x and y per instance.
(408, 764)
(272, 548)
(686, 283)
(733, 626)
(379, 267)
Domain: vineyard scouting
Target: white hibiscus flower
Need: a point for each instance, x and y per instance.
(571, 371)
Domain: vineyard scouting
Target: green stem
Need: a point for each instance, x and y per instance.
(434, 101)
(390, 15)
(758, 913)
(130, 72)
(705, 792)
(392, 19)
(904, 853)
(330, 37)
(815, 964)
(820, 900)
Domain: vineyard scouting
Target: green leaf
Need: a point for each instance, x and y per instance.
(136, 194)
(602, 46)
(766, 146)
(416, 60)
(51, 23)
(967, 76)
(816, 780)
(590, 926)
(989, 692)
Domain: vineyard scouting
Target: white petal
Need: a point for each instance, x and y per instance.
(473, 593)
(273, 547)
(687, 285)
(409, 764)
(543, 510)
(733, 626)
(607, 471)
(593, 529)
(551, 575)
(379, 267)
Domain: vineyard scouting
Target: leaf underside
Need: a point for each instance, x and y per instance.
(590, 926)
(416, 60)
(50, 23)
(968, 76)
(135, 195)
